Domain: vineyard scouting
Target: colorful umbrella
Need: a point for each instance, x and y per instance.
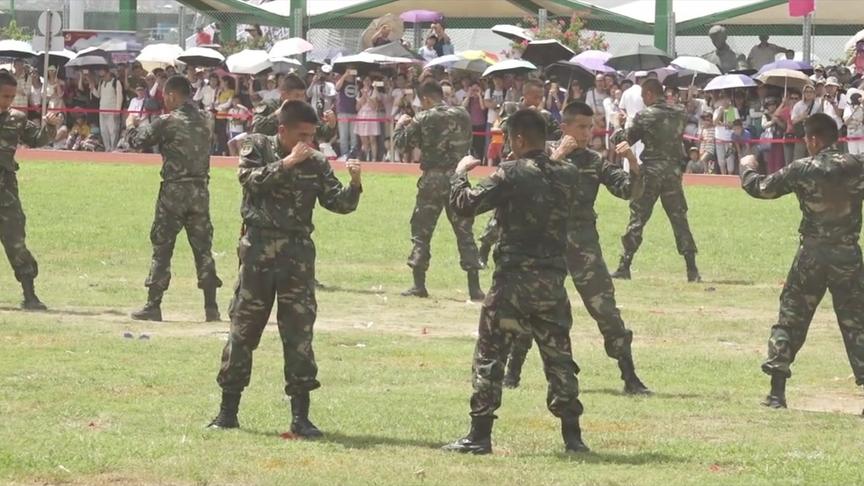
(420, 16)
(593, 61)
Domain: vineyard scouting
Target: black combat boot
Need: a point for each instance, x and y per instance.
(484, 249)
(514, 371)
(419, 288)
(623, 271)
(777, 397)
(478, 441)
(31, 301)
(227, 418)
(211, 308)
(152, 310)
(474, 290)
(692, 272)
(300, 423)
(632, 384)
(571, 432)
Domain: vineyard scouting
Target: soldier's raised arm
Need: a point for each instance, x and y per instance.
(256, 172)
(33, 135)
(771, 186)
(485, 196)
(336, 197)
(148, 135)
(619, 182)
(406, 135)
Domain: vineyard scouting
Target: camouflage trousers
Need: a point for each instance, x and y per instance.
(433, 194)
(12, 234)
(280, 267)
(526, 304)
(591, 278)
(667, 187)
(182, 205)
(819, 267)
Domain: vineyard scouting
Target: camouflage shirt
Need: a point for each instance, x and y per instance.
(266, 122)
(553, 128)
(280, 199)
(532, 198)
(442, 133)
(594, 171)
(16, 129)
(183, 137)
(829, 187)
(661, 128)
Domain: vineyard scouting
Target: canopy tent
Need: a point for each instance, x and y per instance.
(754, 17)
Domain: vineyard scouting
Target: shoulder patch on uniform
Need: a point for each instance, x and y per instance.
(247, 148)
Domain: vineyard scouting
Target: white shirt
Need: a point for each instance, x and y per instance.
(427, 54)
(269, 94)
(328, 91)
(136, 106)
(720, 130)
(855, 115)
(610, 107)
(110, 94)
(206, 95)
(595, 100)
(631, 102)
(497, 96)
(802, 108)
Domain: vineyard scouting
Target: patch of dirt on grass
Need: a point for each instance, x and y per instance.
(830, 402)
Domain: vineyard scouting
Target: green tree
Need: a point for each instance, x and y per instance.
(12, 31)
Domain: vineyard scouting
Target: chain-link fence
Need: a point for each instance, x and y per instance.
(168, 21)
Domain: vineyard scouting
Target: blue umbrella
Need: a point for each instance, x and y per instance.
(730, 81)
(787, 64)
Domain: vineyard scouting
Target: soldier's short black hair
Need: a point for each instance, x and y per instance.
(577, 108)
(822, 127)
(528, 123)
(431, 89)
(291, 82)
(533, 83)
(180, 85)
(296, 111)
(7, 79)
(652, 85)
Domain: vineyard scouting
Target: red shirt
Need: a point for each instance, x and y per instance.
(203, 38)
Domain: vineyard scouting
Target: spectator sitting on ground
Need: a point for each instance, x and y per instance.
(695, 165)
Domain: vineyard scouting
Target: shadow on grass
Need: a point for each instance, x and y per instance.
(336, 288)
(638, 459)
(60, 312)
(354, 441)
(620, 393)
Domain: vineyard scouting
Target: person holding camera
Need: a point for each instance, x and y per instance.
(853, 117)
(367, 112)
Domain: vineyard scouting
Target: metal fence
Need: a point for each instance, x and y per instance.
(168, 21)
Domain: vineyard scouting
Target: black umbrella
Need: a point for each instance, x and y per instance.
(745, 72)
(566, 72)
(546, 52)
(645, 58)
(88, 62)
(393, 49)
(685, 78)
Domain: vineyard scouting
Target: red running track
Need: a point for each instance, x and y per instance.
(374, 167)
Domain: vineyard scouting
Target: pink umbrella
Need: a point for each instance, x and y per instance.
(420, 16)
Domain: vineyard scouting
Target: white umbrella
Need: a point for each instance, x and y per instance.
(291, 47)
(201, 56)
(513, 32)
(286, 64)
(445, 60)
(368, 60)
(510, 66)
(248, 61)
(695, 64)
(17, 49)
(158, 55)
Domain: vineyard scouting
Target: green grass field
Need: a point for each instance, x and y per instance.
(82, 405)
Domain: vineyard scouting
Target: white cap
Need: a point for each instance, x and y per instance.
(326, 69)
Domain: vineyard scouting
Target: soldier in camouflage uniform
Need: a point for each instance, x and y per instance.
(183, 137)
(532, 197)
(15, 130)
(661, 128)
(443, 134)
(584, 256)
(282, 178)
(265, 119)
(532, 98)
(830, 187)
